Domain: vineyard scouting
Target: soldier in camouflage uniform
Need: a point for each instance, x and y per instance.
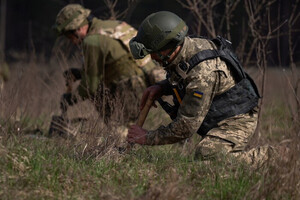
(109, 70)
(163, 36)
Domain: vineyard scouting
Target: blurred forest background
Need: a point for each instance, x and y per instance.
(26, 24)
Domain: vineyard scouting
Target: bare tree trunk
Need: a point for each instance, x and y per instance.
(262, 35)
(295, 77)
(241, 48)
(262, 64)
(3, 66)
(2, 31)
(204, 14)
(292, 20)
(229, 8)
(278, 35)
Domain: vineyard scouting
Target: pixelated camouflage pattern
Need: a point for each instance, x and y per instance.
(232, 136)
(211, 77)
(67, 12)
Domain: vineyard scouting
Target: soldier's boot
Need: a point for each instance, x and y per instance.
(60, 126)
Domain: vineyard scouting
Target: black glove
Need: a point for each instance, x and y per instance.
(73, 74)
(67, 99)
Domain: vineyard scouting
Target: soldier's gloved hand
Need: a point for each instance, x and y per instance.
(72, 74)
(69, 98)
(136, 134)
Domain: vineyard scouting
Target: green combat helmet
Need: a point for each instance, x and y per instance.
(159, 31)
(71, 17)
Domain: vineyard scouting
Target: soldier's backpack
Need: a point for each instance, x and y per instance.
(124, 32)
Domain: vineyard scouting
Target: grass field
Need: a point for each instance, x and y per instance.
(89, 166)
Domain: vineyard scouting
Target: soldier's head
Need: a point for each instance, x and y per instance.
(72, 21)
(160, 34)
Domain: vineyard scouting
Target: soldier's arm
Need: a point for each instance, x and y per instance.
(94, 61)
(195, 105)
(166, 87)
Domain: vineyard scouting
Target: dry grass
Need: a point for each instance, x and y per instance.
(90, 166)
(277, 127)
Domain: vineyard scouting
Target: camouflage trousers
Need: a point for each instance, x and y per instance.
(232, 137)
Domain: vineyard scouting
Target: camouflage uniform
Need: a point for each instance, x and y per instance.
(108, 63)
(211, 77)
(110, 74)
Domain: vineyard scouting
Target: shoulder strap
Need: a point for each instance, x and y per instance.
(224, 52)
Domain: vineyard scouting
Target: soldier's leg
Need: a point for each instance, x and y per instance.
(257, 156)
(210, 147)
(232, 136)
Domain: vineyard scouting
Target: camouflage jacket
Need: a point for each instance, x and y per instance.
(209, 78)
(106, 57)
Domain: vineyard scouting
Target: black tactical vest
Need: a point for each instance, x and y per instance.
(240, 99)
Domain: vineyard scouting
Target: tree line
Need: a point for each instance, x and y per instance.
(271, 25)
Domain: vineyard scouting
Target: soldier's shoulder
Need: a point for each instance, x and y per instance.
(201, 70)
(195, 46)
(110, 23)
(92, 39)
(201, 43)
(104, 24)
(96, 40)
(204, 69)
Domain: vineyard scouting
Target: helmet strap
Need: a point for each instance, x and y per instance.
(167, 57)
(90, 18)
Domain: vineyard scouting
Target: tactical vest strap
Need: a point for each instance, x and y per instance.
(224, 52)
(202, 56)
(241, 98)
